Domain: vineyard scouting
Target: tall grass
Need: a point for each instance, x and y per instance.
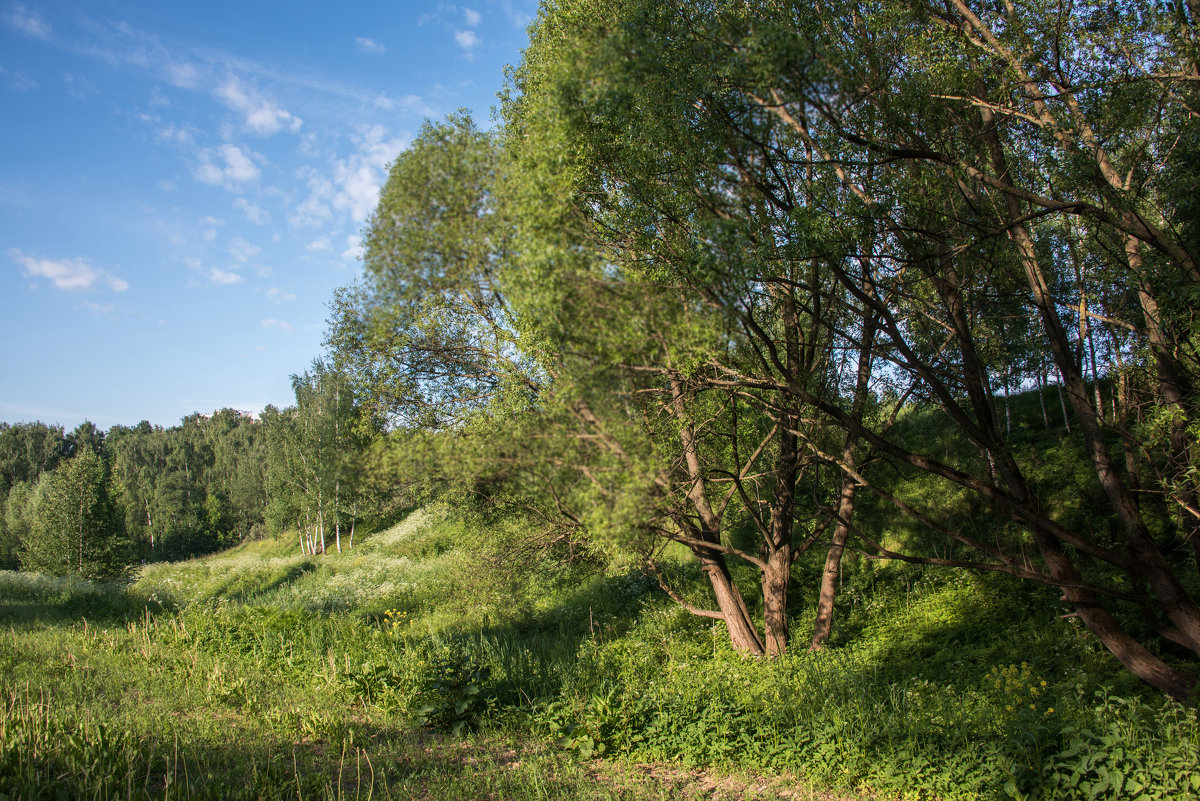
(269, 674)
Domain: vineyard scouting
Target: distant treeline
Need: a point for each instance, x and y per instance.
(94, 502)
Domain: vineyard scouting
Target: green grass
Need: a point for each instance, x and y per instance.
(260, 673)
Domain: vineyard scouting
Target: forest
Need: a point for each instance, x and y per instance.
(789, 396)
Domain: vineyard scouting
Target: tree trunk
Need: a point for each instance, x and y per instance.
(742, 633)
(823, 625)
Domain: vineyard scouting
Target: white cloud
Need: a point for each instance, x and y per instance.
(29, 22)
(237, 167)
(316, 209)
(70, 275)
(308, 145)
(180, 74)
(282, 325)
(18, 81)
(175, 135)
(277, 295)
(471, 16)
(467, 40)
(354, 186)
(254, 213)
(319, 245)
(166, 186)
(79, 87)
(106, 309)
(209, 234)
(354, 248)
(369, 45)
(360, 176)
(359, 189)
(215, 222)
(224, 277)
(242, 250)
(262, 117)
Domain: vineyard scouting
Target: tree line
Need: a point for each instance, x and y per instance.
(764, 282)
(94, 503)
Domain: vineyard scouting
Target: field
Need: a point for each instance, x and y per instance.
(414, 667)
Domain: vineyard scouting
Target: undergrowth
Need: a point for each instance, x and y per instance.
(260, 674)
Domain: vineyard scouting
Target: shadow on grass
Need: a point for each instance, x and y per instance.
(31, 600)
(362, 760)
(246, 588)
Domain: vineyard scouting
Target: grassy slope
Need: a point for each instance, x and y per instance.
(267, 674)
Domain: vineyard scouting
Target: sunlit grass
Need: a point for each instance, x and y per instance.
(264, 673)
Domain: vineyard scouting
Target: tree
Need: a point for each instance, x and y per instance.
(700, 199)
(426, 334)
(315, 453)
(76, 524)
(926, 161)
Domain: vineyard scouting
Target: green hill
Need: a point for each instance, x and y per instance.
(416, 666)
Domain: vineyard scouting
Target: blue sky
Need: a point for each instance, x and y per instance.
(183, 185)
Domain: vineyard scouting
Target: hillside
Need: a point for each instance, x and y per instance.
(415, 667)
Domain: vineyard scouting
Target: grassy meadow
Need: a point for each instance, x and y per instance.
(418, 666)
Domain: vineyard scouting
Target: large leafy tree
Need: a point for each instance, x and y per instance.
(426, 333)
(76, 525)
(940, 167)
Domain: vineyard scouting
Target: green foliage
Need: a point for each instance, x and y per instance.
(456, 693)
(927, 693)
(76, 527)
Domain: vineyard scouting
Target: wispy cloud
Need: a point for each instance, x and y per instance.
(354, 248)
(29, 22)
(79, 87)
(224, 277)
(18, 81)
(282, 325)
(262, 117)
(69, 275)
(360, 176)
(227, 166)
(242, 250)
(277, 295)
(369, 45)
(105, 309)
(354, 185)
(251, 211)
(468, 40)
